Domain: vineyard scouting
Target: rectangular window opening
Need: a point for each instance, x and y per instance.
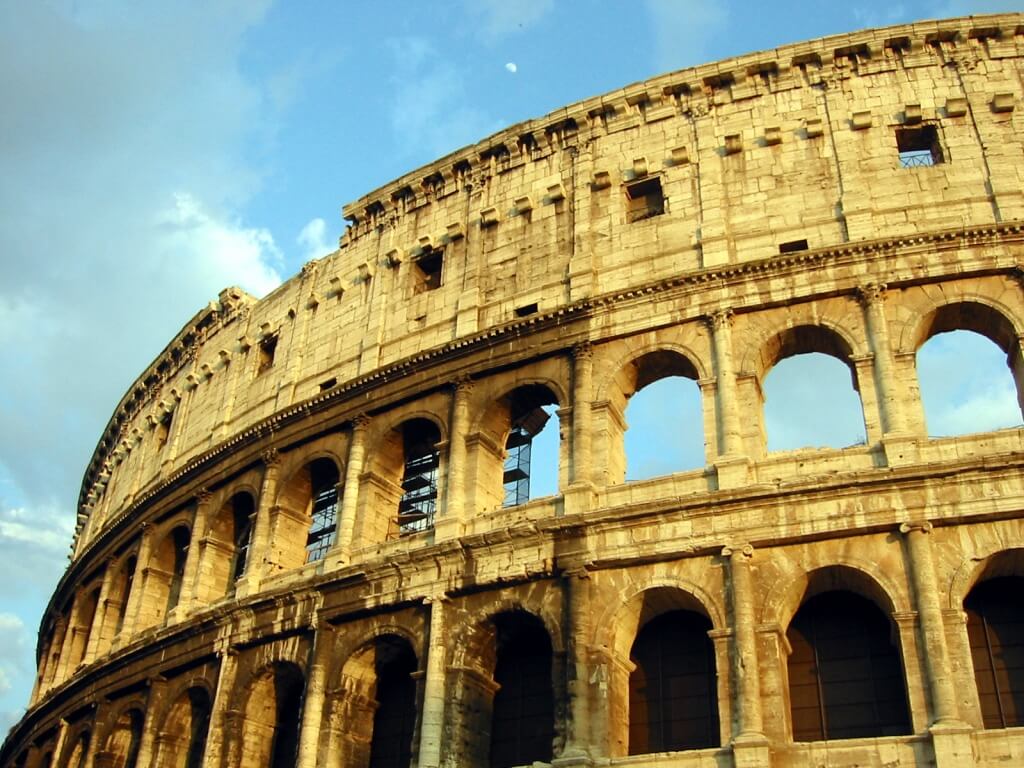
(428, 268)
(793, 246)
(918, 146)
(526, 310)
(644, 199)
(267, 348)
(329, 384)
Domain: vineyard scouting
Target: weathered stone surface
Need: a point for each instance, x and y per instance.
(706, 223)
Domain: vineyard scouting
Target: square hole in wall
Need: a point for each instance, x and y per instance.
(265, 354)
(644, 199)
(427, 270)
(918, 146)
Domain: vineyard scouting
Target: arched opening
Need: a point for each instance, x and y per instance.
(123, 592)
(515, 455)
(421, 460)
(845, 673)
(79, 752)
(85, 615)
(227, 547)
(306, 520)
(656, 418)
(123, 743)
(995, 630)
(673, 696)
(523, 712)
(377, 705)
(273, 713)
(179, 541)
(968, 370)
(183, 739)
(811, 394)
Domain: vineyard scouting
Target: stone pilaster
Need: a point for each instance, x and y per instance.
(135, 598)
(150, 725)
(450, 525)
(222, 736)
(350, 498)
(313, 699)
(578, 737)
(259, 549)
(581, 467)
(732, 464)
(197, 546)
(432, 720)
(99, 619)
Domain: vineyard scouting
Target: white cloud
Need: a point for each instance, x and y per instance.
(429, 109)
(511, 67)
(313, 240)
(683, 30)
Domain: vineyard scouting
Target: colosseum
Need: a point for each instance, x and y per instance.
(307, 537)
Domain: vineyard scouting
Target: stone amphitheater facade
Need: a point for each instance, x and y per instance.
(294, 546)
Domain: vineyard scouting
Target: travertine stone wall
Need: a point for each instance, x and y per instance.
(786, 224)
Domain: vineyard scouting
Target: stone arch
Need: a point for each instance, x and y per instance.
(402, 483)
(271, 715)
(226, 547)
(76, 749)
(184, 724)
(306, 513)
(124, 737)
(997, 557)
(374, 705)
(500, 440)
(165, 572)
(976, 313)
(119, 595)
(850, 574)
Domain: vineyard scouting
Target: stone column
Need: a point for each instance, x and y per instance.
(432, 721)
(450, 525)
(350, 498)
(60, 630)
(578, 738)
(933, 631)
(99, 619)
(731, 465)
(135, 599)
(581, 467)
(872, 298)
(259, 549)
(746, 672)
(149, 724)
(313, 699)
(197, 544)
(730, 441)
(223, 726)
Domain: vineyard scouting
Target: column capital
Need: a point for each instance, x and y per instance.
(462, 384)
(360, 422)
(924, 526)
(583, 350)
(719, 320)
(870, 293)
(576, 572)
(741, 550)
(271, 458)
(203, 496)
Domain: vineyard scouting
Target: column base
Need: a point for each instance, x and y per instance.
(732, 472)
(573, 757)
(751, 750)
(900, 449)
(448, 529)
(951, 743)
(578, 498)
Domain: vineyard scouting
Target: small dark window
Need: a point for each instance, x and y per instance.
(793, 246)
(995, 627)
(267, 347)
(428, 266)
(526, 310)
(324, 511)
(329, 384)
(918, 146)
(163, 430)
(644, 199)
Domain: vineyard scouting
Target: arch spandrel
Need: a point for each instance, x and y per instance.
(990, 316)
(799, 333)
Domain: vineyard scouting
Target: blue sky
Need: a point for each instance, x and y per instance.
(154, 153)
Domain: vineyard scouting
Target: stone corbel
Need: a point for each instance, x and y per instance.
(860, 120)
(956, 107)
(733, 144)
(1002, 102)
(600, 180)
(489, 217)
(454, 231)
(337, 287)
(522, 205)
(678, 156)
(911, 114)
(554, 193)
(392, 259)
(814, 128)
(772, 135)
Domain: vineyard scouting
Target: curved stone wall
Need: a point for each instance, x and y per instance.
(302, 499)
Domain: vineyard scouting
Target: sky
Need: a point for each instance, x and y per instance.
(154, 153)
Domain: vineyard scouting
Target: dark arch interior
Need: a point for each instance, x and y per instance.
(419, 476)
(523, 714)
(199, 724)
(242, 509)
(673, 697)
(288, 689)
(323, 478)
(995, 628)
(845, 673)
(395, 718)
(180, 537)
